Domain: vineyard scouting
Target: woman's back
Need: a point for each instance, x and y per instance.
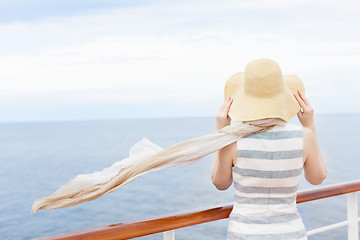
(266, 176)
(269, 164)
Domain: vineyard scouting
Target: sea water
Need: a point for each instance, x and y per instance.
(36, 158)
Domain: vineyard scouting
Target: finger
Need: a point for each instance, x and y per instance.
(302, 96)
(299, 114)
(223, 108)
(227, 106)
(229, 102)
(223, 105)
(300, 101)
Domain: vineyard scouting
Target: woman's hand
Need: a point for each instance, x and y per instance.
(222, 117)
(221, 175)
(314, 166)
(306, 116)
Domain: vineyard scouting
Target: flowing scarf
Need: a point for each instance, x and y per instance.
(145, 157)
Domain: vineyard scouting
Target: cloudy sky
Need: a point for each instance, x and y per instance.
(71, 60)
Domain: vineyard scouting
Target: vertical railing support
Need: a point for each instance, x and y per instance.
(169, 235)
(352, 215)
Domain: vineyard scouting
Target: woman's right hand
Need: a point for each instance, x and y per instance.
(222, 117)
(306, 116)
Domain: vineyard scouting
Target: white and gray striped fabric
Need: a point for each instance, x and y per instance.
(266, 177)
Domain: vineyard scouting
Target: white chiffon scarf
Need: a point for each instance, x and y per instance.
(145, 157)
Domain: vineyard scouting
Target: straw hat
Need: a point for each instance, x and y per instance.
(263, 92)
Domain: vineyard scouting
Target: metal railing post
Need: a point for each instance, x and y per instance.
(169, 235)
(352, 215)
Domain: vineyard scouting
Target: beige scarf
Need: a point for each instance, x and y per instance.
(146, 157)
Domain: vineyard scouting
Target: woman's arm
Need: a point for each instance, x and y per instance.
(221, 175)
(314, 165)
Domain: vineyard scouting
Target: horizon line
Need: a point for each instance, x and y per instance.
(140, 118)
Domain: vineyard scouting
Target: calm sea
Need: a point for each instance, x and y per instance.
(37, 158)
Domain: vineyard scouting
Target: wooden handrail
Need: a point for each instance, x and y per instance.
(149, 226)
(327, 191)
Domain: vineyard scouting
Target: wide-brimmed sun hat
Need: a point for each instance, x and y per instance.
(261, 91)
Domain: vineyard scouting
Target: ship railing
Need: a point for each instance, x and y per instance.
(168, 223)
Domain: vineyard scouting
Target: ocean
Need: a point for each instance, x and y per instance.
(38, 157)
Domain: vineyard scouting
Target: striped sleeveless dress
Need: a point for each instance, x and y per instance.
(266, 177)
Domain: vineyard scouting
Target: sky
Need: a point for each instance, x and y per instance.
(75, 60)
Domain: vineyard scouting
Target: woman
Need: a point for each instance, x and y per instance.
(266, 166)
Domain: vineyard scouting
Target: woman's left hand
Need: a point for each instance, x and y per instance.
(222, 117)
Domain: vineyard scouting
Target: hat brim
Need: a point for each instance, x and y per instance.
(248, 108)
